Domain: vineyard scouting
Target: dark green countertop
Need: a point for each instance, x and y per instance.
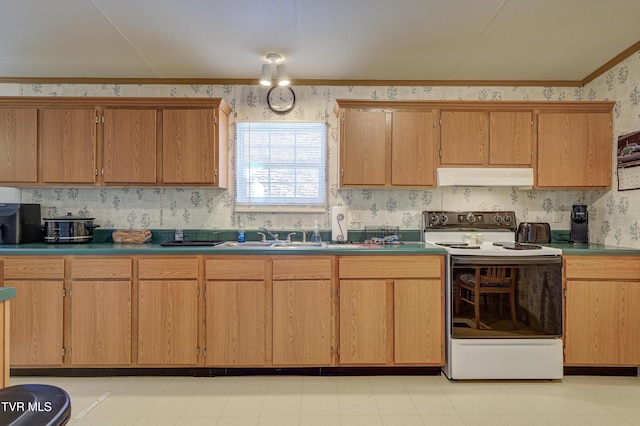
(97, 249)
(102, 244)
(595, 249)
(7, 293)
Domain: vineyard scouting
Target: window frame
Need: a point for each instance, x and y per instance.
(251, 204)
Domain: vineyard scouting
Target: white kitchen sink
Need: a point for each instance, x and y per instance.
(270, 245)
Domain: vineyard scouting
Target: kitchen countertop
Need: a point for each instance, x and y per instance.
(95, 248)
(406, 248)
(7, 293)
(595, 249)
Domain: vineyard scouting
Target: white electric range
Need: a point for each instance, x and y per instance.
(515, 331)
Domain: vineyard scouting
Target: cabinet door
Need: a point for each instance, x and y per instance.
(18, 145)
(101, 323)
(602, 323)
(189, 146)
(302, 322)
(574, 150)
(412, 149)
(464, 138)
(129, 146)
(168, 322)
(510, 138)
(236, 323)
(364, 148)
(36, 323)
(363, 322)
(68, 145)
(418, 322)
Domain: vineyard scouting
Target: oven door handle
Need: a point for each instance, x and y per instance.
(505, 260)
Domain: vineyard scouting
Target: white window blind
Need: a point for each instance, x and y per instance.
(280, 164)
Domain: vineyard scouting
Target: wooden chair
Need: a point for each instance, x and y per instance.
(486, 281)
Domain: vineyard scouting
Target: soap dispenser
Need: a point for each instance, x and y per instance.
(242, 237)
(315, 237)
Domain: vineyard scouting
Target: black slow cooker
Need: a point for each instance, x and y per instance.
(69, 229)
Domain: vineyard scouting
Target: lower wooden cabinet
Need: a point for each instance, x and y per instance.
(224, 311)
(391, 310)
(602, 320)
(364, 322)
(236, 324)
(100, 323)
(418, 321)
(37, 311)
(36, 323)
(100, 294)
(236, 312)
(303, 319)
(168, 311)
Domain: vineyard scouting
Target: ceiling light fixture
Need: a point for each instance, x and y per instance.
(281, 70)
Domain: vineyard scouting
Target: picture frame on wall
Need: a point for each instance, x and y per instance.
(628, 156)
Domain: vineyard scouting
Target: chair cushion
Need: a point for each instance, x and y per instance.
(470, 279)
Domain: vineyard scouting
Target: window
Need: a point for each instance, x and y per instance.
(281, 164)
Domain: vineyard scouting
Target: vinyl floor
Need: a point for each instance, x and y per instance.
(347, 400)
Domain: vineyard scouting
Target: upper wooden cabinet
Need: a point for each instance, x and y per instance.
(363, 148)
(575, 148)
(68, 141)
(382, 146)
(395, 144)
(129, 145)
(189, 146)
(113, 141)
(511, 138)
(481, 138)
(18, 145)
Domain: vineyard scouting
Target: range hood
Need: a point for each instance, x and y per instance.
(471, 176)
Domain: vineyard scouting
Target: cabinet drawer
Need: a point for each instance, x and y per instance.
(301, 269)
(612, 267)
(100, 268)
(37, 267)
(391, 266)
(235, 269)
(162, 268)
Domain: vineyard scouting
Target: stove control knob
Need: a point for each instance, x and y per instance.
(444, 219)
(506, 219)
(497, 219)
(434, 219)
(471, 218)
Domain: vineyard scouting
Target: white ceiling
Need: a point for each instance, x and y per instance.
(547, 40)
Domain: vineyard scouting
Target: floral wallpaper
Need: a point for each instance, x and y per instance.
(613, 214)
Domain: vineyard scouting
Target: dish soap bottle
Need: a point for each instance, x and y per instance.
(315, 237)
(241, 234)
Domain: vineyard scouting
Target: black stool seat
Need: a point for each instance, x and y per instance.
(34, 405)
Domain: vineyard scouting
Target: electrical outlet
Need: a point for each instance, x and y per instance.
(557, 216)
(356, 216)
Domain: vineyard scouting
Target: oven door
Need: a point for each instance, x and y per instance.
(504, 297)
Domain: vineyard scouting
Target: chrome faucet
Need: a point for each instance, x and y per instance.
(266, 231)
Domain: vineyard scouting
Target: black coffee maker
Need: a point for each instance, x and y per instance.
(579, 225)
